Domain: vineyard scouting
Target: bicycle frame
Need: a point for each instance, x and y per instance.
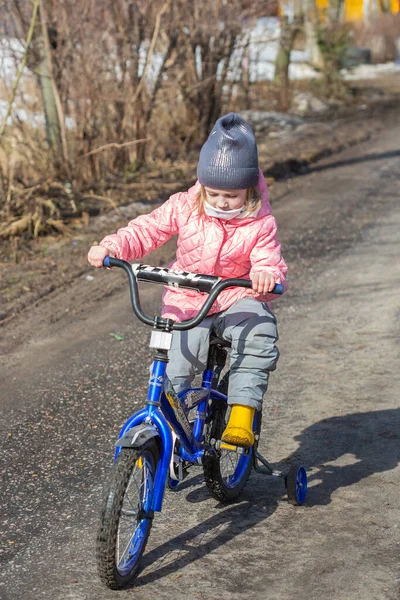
(165, 409)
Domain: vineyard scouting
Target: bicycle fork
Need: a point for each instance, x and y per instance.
(150, 422)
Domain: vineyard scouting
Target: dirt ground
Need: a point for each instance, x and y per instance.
(68, 383)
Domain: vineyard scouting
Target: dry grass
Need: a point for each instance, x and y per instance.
(38, 197)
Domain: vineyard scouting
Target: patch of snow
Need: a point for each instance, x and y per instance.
(261, 120)
(371, 71)
(305, 102)
(11, 53)
(35, 119)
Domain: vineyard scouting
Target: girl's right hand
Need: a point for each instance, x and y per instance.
(97, 255)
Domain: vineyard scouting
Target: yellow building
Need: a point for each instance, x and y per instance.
(358, 10)
(352, 10)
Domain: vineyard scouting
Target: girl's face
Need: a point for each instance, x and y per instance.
(225, 199)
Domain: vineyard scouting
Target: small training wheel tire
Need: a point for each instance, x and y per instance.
(296, 485)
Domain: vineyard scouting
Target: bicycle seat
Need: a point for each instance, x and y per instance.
(217, 341)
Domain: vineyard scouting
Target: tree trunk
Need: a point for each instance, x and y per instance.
(53, 129)
(282, 61)
(246, 72)
(310, 21)
(141, 133)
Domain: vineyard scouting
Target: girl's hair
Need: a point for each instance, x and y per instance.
(252, 202)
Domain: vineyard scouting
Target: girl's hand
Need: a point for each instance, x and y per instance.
(263, 282)
(97, 255)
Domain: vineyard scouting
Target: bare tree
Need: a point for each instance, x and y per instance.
(40, 61)
(104, 69)
(212, 33)
(290, 27)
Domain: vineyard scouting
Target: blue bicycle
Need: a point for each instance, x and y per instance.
(158, 444)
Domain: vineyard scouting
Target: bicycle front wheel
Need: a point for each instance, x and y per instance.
(126, 516)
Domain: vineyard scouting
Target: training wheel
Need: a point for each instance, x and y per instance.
(296, 484)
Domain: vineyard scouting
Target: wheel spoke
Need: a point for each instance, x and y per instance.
(225, 471)
(125, 523)
(129, 535)
(228, 464)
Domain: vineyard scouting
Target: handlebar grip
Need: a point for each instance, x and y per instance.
(278, 289)
(106, 261)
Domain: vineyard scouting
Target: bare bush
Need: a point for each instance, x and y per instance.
(119, 85)
(333, 40)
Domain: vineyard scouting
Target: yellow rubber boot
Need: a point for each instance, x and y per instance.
(239, 431)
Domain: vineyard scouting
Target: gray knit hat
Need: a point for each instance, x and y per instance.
(229, 159)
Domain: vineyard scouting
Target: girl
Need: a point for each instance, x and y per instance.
(225, 228)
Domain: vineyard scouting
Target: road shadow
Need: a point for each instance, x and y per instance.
(254, 506)
(360, 444)
(350, 161)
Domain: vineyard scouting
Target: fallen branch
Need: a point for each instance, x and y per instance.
(105, 198)
(59, 226)
(115, 145)
(16, 227)
(29, 190)
(152, 184)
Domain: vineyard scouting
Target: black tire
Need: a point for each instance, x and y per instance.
(120, 510)
(296, 485)
(225, 472)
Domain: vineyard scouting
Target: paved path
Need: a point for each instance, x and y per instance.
(334, 403)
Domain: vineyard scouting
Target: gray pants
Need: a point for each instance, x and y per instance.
(251, 329)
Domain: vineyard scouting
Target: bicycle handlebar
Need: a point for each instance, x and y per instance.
(172, 278)
(203, 283)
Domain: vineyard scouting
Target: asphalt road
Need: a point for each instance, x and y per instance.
(333, 402)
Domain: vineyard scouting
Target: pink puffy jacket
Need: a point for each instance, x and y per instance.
(207, 245)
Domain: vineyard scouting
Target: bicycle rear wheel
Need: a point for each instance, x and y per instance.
(225, 471)
(126, 516)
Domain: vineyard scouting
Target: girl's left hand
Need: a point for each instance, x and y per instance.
(263, 282)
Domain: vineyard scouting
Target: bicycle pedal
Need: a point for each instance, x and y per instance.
(238, 449)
